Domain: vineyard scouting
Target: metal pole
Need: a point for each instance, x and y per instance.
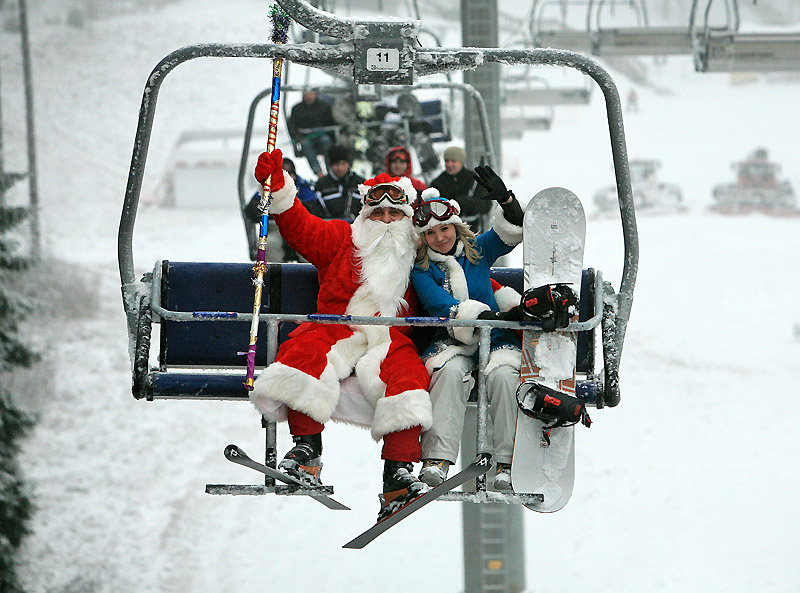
(33, 190)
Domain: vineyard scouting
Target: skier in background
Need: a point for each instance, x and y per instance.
(363, 269)
(398, 164)
(337, 194)
(277, 248)
(305, 119)
(451, 279)
(458, 183)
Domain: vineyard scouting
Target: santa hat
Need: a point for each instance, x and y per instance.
(433, 194)
(402, 183)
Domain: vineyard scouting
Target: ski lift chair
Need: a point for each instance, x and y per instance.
(556, 33)
(641, 39)
(199, 310)
(729, 50)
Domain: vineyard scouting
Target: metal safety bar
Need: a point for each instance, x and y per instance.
(429, 62)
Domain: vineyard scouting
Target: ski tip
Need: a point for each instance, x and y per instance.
(352, 546)
(233, 451)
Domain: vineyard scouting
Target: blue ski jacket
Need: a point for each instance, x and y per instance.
(454, 287)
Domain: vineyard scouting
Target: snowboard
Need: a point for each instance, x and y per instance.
(554, 231)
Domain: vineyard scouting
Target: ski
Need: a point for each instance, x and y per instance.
(478, 467)
(236, 455)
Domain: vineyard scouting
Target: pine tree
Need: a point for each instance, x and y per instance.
(15, 503)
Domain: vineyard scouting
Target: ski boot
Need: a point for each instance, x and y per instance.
(400, 486)
(434, 471)
(303, 461)
(502, 477)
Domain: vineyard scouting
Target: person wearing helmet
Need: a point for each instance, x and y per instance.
(398, 164)
(451, 278)
(363, 269)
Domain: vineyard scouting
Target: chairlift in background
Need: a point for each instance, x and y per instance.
(516, 114)
(434, 113)
(729, 50)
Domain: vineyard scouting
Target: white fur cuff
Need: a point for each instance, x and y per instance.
(507, 298)
(469, 309)
(401, 411)
(300, 391)
(510, 357)
(283, 198)
(510, 234)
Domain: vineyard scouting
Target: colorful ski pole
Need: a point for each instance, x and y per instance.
(280, 33)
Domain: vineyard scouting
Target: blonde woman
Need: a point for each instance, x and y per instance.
(451, 279)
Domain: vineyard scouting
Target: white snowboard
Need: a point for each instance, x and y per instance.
(554, 235)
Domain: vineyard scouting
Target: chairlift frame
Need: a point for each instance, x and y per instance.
(141, 298)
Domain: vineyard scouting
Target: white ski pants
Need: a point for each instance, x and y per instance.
(450, 388)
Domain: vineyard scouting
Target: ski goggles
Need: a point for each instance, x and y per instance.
(382, 192)
(437, 208)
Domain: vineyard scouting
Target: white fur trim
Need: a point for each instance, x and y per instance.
(468, 309)
(298, 390)
(368, 371)
(510, 234)
(401, 411)
(507, 298)
(437, 361)
(455, 273)
(504, 357)
(283, 199)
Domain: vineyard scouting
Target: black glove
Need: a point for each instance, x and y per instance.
(491, 182)
(514, 314)
(554, 305)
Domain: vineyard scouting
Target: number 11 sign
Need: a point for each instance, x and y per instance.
(383, 59)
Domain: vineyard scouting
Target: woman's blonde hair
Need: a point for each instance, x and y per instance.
(467, 237)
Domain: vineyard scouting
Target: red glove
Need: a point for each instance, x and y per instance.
(271, 163)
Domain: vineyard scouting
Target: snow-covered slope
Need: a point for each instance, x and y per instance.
(687, 486)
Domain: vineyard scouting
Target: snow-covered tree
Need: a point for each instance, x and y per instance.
(15, 501)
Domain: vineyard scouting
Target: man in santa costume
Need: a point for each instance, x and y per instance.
(364, 270)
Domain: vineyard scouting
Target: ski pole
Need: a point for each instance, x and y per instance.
(280, 32)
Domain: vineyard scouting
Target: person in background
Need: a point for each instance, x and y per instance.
(451, 278)
(337, 194)
(363, 270)
(398, 164)
(457, 183)
(305, 193)
(311, 113)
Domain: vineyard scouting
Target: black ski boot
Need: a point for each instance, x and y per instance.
(304, 460)
(400, 486)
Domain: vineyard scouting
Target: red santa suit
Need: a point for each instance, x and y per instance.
(361, 274)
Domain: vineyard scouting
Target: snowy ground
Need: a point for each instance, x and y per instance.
(686, 486)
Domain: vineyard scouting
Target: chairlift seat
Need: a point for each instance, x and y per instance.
(200, 358)
(435, 116)
(643, 41)
(571, 39)
(720, 51)
(547, 96)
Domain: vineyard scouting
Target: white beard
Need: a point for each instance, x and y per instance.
(386, 253)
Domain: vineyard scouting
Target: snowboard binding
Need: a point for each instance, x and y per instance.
(552, 407)
(552, 304)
